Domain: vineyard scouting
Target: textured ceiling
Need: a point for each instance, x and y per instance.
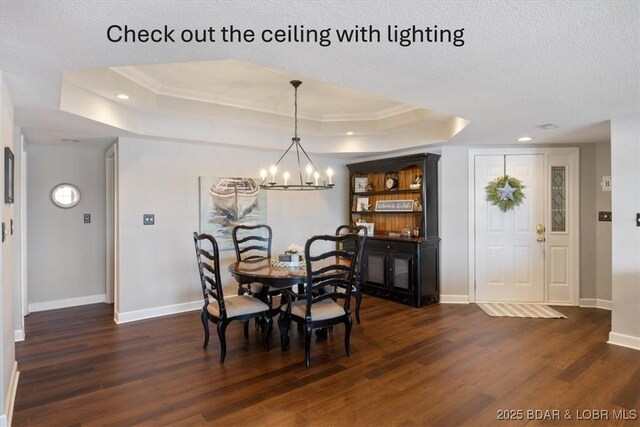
(574, 64)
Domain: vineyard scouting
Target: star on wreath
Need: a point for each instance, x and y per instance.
(506, 192)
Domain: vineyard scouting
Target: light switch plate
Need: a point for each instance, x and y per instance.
(638, 219)
(148, 219)
(604, 216)
(87, 218)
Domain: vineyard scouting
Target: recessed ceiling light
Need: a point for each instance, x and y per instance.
(524, 139)
(123, 96)
(350, 133)
(547, 126)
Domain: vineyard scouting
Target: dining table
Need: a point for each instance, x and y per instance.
(273, 274)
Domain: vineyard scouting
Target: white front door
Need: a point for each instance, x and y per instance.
(510, 262)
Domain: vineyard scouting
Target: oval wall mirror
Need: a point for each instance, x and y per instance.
(65, 195)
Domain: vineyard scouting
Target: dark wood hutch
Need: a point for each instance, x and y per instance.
(395, 195)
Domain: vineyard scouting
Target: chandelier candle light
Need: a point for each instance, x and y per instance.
(314, 180)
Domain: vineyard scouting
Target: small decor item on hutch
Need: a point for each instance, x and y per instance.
(314, 180)
(391, 181)
(417, 182)
(362, 204)
(360, 184)
(370, 188)
(369, 225)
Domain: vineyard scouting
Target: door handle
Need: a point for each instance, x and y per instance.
(540, 239)
(540, 229)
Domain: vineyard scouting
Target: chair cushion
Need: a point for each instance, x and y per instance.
(238, 305)
(325, 309)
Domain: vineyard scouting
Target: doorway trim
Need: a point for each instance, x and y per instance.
(111, 229)
(574, 207)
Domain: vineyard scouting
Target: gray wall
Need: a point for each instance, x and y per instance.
(157, 263)
(588, 221)
(454, 221)
(65, 256)
(625, 201)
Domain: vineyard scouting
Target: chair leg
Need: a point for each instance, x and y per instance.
(267, 331)
(245, 326)
(204, 316)
(358, 302)
(307, 344)
(222, 327)
(283, 324)
(347, 334)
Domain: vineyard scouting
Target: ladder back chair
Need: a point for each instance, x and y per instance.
(319, 307)
(251, 242)
(361, 231)
(217, 308)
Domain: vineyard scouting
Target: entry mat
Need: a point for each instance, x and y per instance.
(502, 309)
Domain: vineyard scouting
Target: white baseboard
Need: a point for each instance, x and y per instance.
(64, 303)
(18, 335)
(624, 340)
(148, 313)
(595, 303)
(454, 299)
(5, 419)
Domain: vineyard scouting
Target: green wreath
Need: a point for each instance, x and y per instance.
(506, 198)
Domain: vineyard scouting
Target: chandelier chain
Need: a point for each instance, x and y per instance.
(295, 112)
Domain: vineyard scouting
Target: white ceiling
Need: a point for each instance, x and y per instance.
(249, 86)
(574, 64)
(235, 102)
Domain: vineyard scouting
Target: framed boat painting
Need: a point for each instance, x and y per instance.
(227, 202)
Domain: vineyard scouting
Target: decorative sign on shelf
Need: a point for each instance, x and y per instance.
(394, 206)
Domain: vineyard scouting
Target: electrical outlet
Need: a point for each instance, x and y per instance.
(87, 218)
(604, 216)
(148, 219)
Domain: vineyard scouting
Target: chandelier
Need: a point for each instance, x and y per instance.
(313, 181)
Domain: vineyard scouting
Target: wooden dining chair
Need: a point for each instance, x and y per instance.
(361, 231)
(219, 309)
(319, 307)
(251, 242)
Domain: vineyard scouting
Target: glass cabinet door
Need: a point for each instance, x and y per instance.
(375, 268)
(400, 272)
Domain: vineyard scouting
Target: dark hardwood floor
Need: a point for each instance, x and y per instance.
(440, 365)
